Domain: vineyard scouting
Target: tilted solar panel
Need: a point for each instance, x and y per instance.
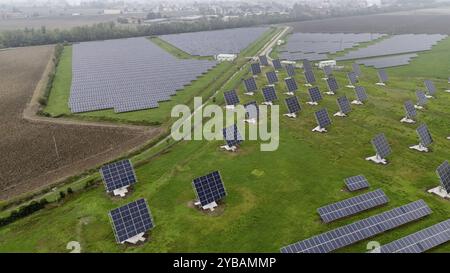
(209, 188)
(290, 69)
(277, 64)
(382, 75)
(232, 136)
(332, 84)
(344, 105)
(322, 118)
(356, 69)
(271, 77)
(251, 110)
(352, 78)
(307, 65)
(430, 87)
(263, 60)
(314, 94)
(255, 68)
(443, 172)
(269, 94)
(381, 145)
(328, 70)
(293, 105)
(231, 97)
(291, 84)
(118, 174)
(356, 183)
(424, 135)
(410, 110)
(250, 84)
(309, 77)
(361, 94)
(421, 98)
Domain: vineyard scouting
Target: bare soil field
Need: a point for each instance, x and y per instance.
(35, 154)
(391, 23)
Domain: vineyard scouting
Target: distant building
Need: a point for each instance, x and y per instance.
(331, 63)
(226, 57)
(112, 11)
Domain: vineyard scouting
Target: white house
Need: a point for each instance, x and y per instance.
(331, 63)
(226, 57)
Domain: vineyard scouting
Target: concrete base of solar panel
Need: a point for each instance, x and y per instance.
(228, 148)
(135, 239)
(350, 86)
(250, 121)
(319, 129)
(448, 138)
(210, 206)
(289, 93)
(121, 191)
(419, 148)
(312, 103)
(381, 84)
(291, 115)
(447, 91)
(330, 93)
(340, 114)
(439, 191)
(267, 103)
(407, 120)
(308, 85)
(249, 93)
(357, 102)
(377, 159)
(418, 107)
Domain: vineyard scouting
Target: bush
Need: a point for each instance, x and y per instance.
(42, 101)
(23, 211)
(62, 195)
(69, 190)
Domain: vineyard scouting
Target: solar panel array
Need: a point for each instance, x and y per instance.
(411, 111)
(209, 188)
(360, 230)
(251, 110)
(255, 68)
(291, 84)
(232, 136)
(352, 206)
(443, 171)
(396, 44)
(424, 135)
(388, 61)
(322, 118)
(250, 84)
(293, 105)
(381, 145)
(314, 94)
(332, 84)
(361, 93)
(309, 76)
(271, 77)
(127, 75)
(211, 43)
(277, 64)
(290, 70)
(316, 46)
(420, 241)
(382, 75)
(263, 60)
(356, 183)
(231, 98)
(344, 105)
(421, 98)
(430, 87)
(269, 94)
(130, 220)
(118, 174)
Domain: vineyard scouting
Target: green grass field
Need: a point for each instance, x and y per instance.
(272, 196)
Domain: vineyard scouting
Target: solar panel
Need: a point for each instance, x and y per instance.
(251, 110)
(361, 93)
(360, 230)
(309, 77)
(118, 175)
(291, 84)
(328, 70)
(430, 87)
(352, 206)
(232, 136)
(381, 145)
(424, 135)
(130, 220)
(250, 84)
(271, 77)
(269, 94)
(314, 94)
(322, 118)
(420, 241)
(421, 98)
(263, 60)
(255, 68)
(293, 105)
(231, 97)
(382, 75)
(352, 78)
(307, 65)
(332, 84)
(290, 69)
(443, 171)
(344, 105)
(356, 183)
(356, 69)
(277, 64)
(410, 109)
(209, 188)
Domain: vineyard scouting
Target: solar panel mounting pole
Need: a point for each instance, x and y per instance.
(377, 159)
(357, 102)
(407, 120)
(419, 148)
(340, 114)
(319, 129)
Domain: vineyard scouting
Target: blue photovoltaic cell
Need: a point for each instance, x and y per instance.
(293, 105)
(118, 174)
(232, 136)
(381, 145)
(421, 98)
(290, 70)
(277, 64)
(209, 188)
(255, 68)
(309, 77)
(231, 97)
(332, 84)
(263, 60)
(443, 172)
(131, 220)
(361, 93)
(250, 84)
(271, 77)
(356, 183)
(424, 135)
(430, 87)
(269, 94)
(344, 105)
(291, 84)
(314, 94)
(382, 75)
(322, 118)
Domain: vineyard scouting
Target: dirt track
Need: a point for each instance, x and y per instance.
(36, 153)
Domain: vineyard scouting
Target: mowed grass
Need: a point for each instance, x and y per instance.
(272, 196)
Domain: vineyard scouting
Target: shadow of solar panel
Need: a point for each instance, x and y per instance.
(291, 84)
(255, 68)
(250, 85)
(352, 206)
(232, 136)
(424, 135)
(209, 188)
(361, 93)
(383, 77)
(307, 65)
(328, 70)
(271, 77)
(443, 172)
(410, 110)
(277, 64)
(263, 60)
(421, 98)
(290, 69)
(231, 97)
(332, 84)
(130, 220)
(356, 183)
(360, 230)
(381, 145)
(322, 118)
(269, 94)
(430, 87)
(118, 175)
(420, 241)
(293, 105)
(314, 94)
(251, 110)
(309, 77)
(344, 105)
